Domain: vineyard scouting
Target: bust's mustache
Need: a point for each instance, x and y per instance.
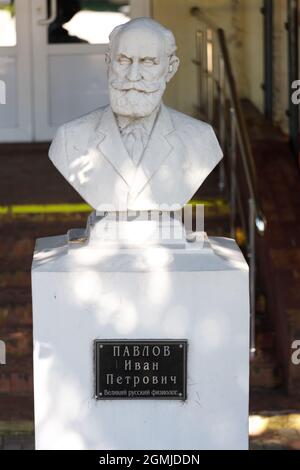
(141, 86)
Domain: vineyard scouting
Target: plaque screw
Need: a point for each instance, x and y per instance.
(180, 394)
(101, 346)
(180, 345)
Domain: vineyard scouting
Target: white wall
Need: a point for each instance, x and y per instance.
(243, 25)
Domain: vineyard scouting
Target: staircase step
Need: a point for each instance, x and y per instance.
(16, 376)
(264, 372)
(12, 245)
(15, 279)
(16, 383)
(13, 296)
(278, 251)
(15, 263)
(18, 342)
(12, 316)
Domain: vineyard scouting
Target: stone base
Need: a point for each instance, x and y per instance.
(199, 294)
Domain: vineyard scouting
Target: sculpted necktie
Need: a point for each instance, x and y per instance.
(135, 144)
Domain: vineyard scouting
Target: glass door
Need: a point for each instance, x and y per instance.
(69, 42)
(15, 70)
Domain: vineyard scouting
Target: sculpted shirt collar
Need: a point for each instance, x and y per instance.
(135, 134)
(146, 123)
(108, 124)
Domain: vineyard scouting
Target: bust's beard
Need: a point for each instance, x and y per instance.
(133, 103)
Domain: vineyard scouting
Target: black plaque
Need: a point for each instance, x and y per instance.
(140, 369)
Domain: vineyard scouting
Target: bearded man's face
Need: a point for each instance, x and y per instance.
(137, 72)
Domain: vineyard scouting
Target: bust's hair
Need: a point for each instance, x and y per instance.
(147, 23)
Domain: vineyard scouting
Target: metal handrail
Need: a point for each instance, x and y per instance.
(243, 135)
(201, 15)
(239, 137)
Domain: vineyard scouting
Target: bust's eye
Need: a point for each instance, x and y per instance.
(148, 61)
(124, 60)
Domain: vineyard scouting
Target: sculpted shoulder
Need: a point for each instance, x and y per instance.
(183, 122)
(76, 132)
(89, 120)
(199, 139)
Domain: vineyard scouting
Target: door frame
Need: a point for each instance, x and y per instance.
(31, 90)
(42, 50)
(23, 131)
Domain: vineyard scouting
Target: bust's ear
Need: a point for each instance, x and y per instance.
(173, 67)
(107, 58)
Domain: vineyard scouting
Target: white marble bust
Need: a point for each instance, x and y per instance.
(136, 153)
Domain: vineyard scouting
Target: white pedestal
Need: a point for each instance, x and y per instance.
(196, 293)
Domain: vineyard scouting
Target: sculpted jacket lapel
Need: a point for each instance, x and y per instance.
(157, 150)
(112, 148)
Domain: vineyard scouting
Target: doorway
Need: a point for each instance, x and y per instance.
(52, 61)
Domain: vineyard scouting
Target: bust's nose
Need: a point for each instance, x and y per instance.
(134, 73)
